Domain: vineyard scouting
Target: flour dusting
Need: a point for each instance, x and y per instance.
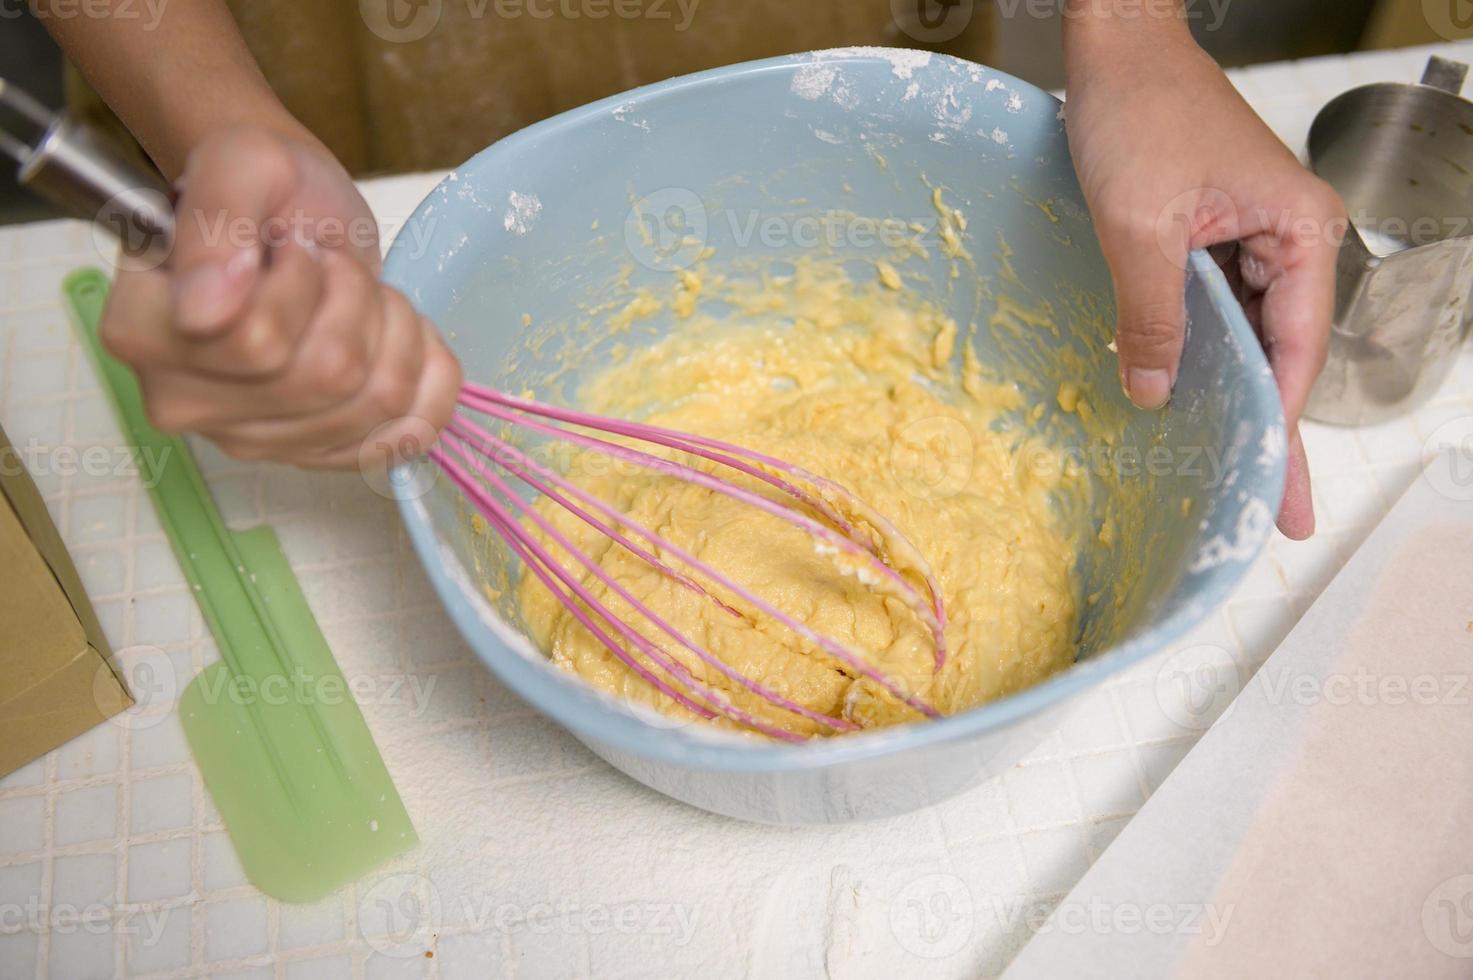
(522, 212)
(621, 113)
(950, 110)
(818, 76)
(1253, 527)
(1273, 446)
(812, 81)
(903, 61)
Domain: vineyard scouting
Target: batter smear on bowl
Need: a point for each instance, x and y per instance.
(865, 385)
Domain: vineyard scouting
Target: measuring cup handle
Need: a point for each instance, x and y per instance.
(1445, 74)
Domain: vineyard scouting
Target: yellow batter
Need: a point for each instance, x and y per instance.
(866, 386)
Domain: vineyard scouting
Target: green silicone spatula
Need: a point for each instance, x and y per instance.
(284, 750)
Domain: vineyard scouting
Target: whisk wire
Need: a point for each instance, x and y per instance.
(845, 539)
(659, 622)
(542, 564)
(723, 452)
(467, 447)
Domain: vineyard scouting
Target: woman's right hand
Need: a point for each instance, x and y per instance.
(269, 330)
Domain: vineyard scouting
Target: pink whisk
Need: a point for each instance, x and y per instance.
(480, 463)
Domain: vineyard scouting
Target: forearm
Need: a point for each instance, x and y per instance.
(1122, 37)
(173, 77)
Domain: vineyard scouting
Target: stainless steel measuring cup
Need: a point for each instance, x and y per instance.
(1401, 156)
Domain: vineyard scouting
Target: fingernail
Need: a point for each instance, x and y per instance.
(1148, 387)
(242, 263)
(202, 297)
(207, 296)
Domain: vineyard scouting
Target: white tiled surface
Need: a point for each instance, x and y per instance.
(537, 860)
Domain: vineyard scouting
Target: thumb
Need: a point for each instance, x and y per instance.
(1149, 273)
(232, 186)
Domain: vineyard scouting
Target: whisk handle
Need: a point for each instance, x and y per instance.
(75, 170)
(80, 171)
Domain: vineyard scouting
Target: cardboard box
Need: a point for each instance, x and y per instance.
(57, 667)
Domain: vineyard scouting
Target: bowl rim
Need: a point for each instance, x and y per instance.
(610, 722)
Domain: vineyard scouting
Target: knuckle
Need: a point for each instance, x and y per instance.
(339, 369)
(391, 390)
(397, 308)
(118, 337)
(1150, 332)
(1321, 200)
(169, 415)
(264, 346)
(444, 365)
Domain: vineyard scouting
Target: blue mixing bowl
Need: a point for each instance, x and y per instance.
(768, 161)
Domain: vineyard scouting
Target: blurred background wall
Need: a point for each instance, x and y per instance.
(1017, 36)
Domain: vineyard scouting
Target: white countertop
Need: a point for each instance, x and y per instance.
(536, 858)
